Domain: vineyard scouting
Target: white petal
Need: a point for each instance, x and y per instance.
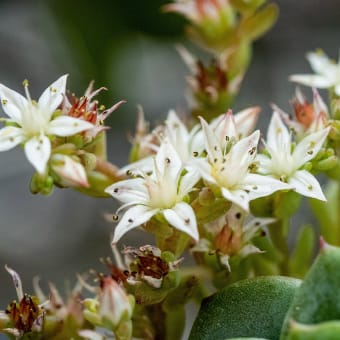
(309, 146)
(132, 218)
(211, 143)
(204, 169)
(293, 124)
(248, 250)
(182, 217)
(129, 190)
(187, 182)
(246, 120)
(175, 127)
(10, 137)
(72, 173)
(38, 151)
(90, 335)
(145, 165)
(239, 197)
(337, 90)
(13, 103)
(307, 185)
(318, 103)
(261, 186)
(52, 97)
(226, 128)
(243, 153)
(67, 126)
(264, 164)
(320, 63)
(278, 136)
(168, 162)
(311, 80)
(17, 282)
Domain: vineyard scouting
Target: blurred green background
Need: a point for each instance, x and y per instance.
(128, 47)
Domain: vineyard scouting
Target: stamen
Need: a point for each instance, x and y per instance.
(25, 83)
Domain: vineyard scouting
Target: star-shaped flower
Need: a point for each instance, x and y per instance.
(286, 163)
(327, 73)
(228, 164)
(162, 192)
(32, 122)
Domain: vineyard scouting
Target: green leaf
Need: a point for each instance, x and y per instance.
(317, 298)
(248, 308)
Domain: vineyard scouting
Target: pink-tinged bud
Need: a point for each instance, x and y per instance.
(114, 304)
(71, 172)
(199, 10)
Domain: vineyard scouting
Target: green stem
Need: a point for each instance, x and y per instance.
(278, 234)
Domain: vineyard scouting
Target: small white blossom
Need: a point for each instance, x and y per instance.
(286, 164)
(32, 122)
(227, 166)
(327, 73)
(161, 192)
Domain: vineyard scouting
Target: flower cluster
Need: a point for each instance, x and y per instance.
(207, 186)
(56, 134)
(221, 157)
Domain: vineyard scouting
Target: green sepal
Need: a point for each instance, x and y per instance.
(253, 27)
(246, 5)
(248, 308)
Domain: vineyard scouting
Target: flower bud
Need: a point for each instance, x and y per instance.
(71, 172)
(114, 304)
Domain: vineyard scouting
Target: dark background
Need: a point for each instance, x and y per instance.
(127, 46)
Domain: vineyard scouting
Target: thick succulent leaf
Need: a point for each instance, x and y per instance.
(316, 300)
(248, 308)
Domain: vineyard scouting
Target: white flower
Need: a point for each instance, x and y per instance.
(161, 192)
(327, 73)
(32, 122)
(286, 164)
(227, 167)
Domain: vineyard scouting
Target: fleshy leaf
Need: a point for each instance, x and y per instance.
(316, 300)
(248, 308)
